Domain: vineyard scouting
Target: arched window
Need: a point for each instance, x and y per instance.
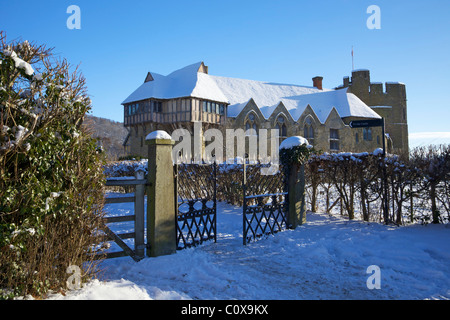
(281, 126)
(250, 122)
(308, 129)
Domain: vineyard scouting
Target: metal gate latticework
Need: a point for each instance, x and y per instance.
(196, 204)
(265, 202)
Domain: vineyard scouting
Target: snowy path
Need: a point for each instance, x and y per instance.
(326, 258)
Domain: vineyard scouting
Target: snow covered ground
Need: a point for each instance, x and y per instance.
(327, 258)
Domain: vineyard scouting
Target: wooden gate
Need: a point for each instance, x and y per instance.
(138, 252)
(195, 186)
(265, 204)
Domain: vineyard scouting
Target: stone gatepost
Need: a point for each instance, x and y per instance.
(294, 152)
(296, 194)
(161, 229)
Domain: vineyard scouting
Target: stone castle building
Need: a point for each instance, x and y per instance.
(389, 104)
(192, 96)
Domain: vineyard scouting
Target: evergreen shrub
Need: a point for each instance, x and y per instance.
(51, 177)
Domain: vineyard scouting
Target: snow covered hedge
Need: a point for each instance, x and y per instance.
(125, 168)
(50, 173)
(418, 187)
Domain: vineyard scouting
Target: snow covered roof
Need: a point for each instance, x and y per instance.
(189, 82)
(264, 94)
(185, 82)
(323, 102)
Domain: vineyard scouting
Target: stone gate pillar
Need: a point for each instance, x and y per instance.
(161, 229)
(296, 194)
(294, 153)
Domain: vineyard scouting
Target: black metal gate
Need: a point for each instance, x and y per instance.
(196, 198)
(265, 202)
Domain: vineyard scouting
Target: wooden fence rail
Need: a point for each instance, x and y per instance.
(138, 217)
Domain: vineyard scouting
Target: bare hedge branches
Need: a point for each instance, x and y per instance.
(419, 184)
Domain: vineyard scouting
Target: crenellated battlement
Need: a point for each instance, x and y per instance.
(360, 81)
(376, 88)
(388, 100)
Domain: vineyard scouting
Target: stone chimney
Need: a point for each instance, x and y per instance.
(317, 82)
(203, 68)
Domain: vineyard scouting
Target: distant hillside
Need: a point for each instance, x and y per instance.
(424, 139)
(110, 133)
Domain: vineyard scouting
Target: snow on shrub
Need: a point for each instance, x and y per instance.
(295, 151)
(125, 168)
(50, 172)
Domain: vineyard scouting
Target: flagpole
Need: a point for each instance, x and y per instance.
(353, 64)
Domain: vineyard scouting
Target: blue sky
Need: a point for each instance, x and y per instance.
(278, 41)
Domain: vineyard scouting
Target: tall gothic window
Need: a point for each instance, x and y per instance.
(308, 130)
(281, 126)
(250, 122)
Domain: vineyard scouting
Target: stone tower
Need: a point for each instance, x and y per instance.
(389, 103)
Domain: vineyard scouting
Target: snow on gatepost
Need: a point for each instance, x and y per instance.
(294, 141)
(158, 134)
